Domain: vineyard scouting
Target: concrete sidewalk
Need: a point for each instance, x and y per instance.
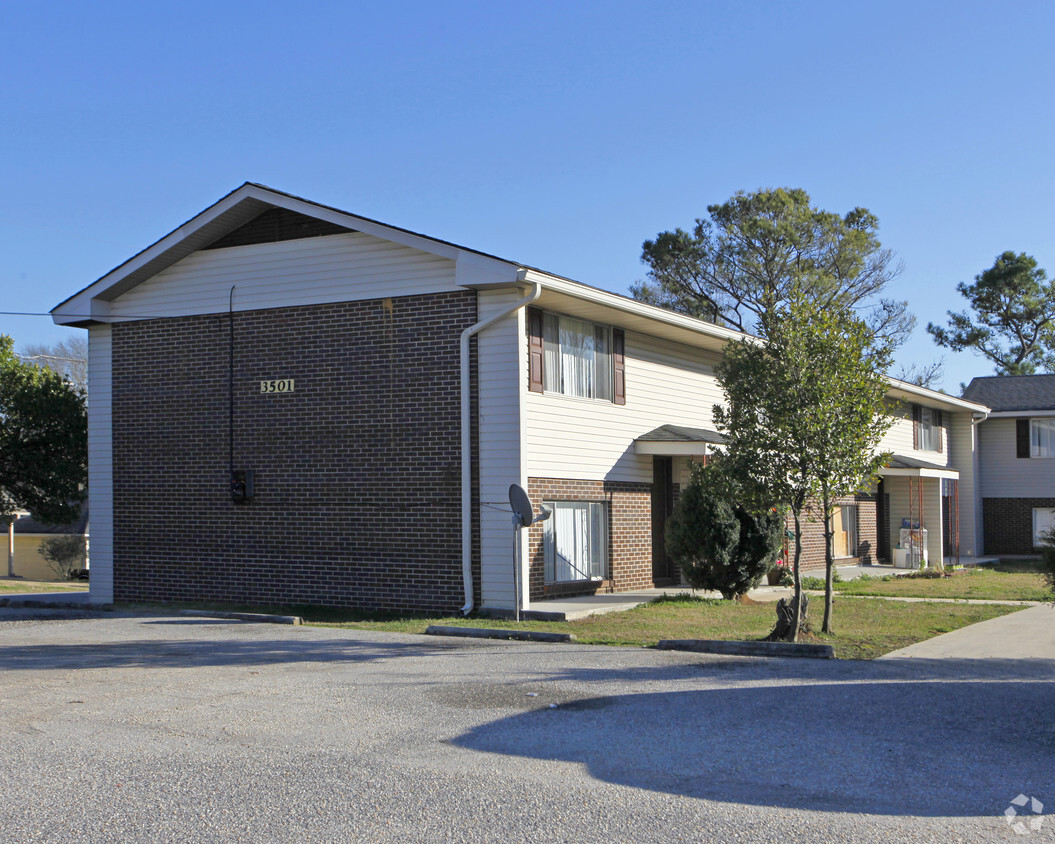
(1029, 634)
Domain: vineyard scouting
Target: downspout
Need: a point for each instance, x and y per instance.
(467, 457)
(979, 528)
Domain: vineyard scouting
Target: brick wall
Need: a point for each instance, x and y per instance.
(813, 535)
(629, 513)
(1008, 524)
(357, 471)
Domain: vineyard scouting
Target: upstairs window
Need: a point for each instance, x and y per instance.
(1042, 437)
(1034, 438)
(927, 428)
(574, 357)
(577, 358)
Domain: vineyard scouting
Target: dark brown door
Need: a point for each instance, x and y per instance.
(662, 506)
(882, 524)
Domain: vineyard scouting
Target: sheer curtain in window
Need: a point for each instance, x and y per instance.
(1042, 438)
(574, 541)
(576, 357)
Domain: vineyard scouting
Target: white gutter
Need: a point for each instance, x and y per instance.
(467, 457)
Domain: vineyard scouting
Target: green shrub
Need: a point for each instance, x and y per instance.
(717, 543)
(64, 554)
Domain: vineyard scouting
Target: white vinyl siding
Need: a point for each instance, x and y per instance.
(904, 504)
(666, 384)
(1002, 474)
(100, 466)
(963, 457)
(899, 438)
(501, 371)
(310, 271)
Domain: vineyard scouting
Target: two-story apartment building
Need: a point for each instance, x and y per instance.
(1016, 456)
(294, 404)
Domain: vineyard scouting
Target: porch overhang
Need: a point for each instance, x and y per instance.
(910, 467)
(678, 441)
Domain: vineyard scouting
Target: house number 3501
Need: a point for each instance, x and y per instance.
(280, 385)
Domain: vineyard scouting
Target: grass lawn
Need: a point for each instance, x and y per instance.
(1014, 581)
(17, 586)
(865, 628)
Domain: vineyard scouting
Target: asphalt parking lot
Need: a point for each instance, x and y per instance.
(146, 728)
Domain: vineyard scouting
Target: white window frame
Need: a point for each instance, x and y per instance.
(852, 532)
(585, 371)
(1042, 438)
(1043, 519)
(559, 566)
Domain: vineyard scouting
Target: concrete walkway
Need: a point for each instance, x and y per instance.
(1029, 634)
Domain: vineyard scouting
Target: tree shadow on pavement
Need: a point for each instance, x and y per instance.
(937, 747)
(167, 653)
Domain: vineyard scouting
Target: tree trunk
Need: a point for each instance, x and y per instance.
(798, 605)
(829, 566)
(787, 618)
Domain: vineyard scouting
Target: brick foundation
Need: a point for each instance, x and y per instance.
(357, 472)
(629, 513)
(1008, 524)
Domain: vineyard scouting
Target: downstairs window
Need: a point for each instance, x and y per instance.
(575, 541)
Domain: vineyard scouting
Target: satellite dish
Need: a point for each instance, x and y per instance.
(521, 505)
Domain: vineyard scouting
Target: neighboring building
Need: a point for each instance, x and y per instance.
(1016, 453)
(28, 533)
(372, 393)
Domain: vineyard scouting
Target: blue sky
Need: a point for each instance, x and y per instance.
(560, 135)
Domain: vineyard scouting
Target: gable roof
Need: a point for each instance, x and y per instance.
(229, 214)
(1005, 393)
(476, 269)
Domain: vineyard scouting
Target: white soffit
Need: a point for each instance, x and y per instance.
(673, 449)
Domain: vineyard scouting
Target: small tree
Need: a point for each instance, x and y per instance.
(64, 554)
(848, 387)
(805, 414)
(719, 541)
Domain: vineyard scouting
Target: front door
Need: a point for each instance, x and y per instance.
(662, 507)
(882, 524)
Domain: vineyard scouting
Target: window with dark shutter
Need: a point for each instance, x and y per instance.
(619, 365)
(917, 412)
(534, 318)
(1022, 438)
(939, 429)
